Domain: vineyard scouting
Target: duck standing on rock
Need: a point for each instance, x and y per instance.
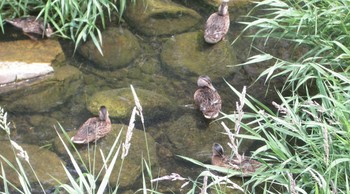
(94, 128)
(32, 26)
(207, 98)
(217, 24)
(243, 164)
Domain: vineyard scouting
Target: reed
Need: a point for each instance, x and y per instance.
(305, 135)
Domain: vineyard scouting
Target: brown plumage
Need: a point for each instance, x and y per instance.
(245, 165)
(31, 26)
(94, 128)
(207, 98)
(217, 24)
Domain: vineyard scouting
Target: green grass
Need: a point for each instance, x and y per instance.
(75, 20)
(306, 135)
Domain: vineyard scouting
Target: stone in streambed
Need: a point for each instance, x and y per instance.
(187, 55)
(39, 158)
(120, 103)
(160, 17)
(119, 48)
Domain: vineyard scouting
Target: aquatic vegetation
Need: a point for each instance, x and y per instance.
(76, 20)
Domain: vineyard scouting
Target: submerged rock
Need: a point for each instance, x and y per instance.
(193, 137)
(187, 55)
(132, 165)
(120, 103)
(45, 95)
(160, 17)
(39, 158)
(119, 48)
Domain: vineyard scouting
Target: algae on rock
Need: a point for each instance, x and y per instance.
(119, 48)
(187, 55)
(46, 95)
(160, 17)
(120, 102)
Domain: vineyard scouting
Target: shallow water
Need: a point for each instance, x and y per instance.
(146, 72)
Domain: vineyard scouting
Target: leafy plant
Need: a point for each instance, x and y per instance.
(306, 139)
(76, 20)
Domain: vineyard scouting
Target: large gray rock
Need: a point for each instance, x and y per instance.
(17, 71)
(120, 103)
(46, 164)
(131, 169)
(187, 55)
(119, 48)
(160, 17)
(45, 95)
(24, 60)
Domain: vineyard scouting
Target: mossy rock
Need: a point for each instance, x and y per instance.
(39, 158)
(120, 103)
(235, 3)
(193, 136)
(45, 95)
(160, 17)
(131, 168)
(119, 48)
(187, 55)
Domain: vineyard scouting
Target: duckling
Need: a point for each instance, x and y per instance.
(217, 24)
(94, 128)
(207, 98)
(246, 165)
(31, 26)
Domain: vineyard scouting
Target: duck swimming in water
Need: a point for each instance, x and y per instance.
(94, 128)
(217, 24)
(32, 26)
(245, 165)
(207, 98)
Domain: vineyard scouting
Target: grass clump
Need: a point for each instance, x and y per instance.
(75, 20)
(306, 139)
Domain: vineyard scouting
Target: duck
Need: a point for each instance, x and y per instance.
(94, 128)
(244, 164)
(207, 98)
(32, 26)
(217, 24)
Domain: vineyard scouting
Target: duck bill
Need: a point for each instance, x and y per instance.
(212, 87)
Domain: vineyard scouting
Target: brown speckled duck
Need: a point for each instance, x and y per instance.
(31, 25)
(94, 128)
(217, 24)
(207, 98)
(245, 165)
